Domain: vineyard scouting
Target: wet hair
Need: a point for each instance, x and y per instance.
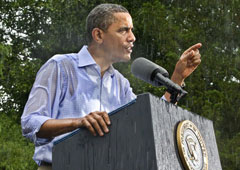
(102, 17)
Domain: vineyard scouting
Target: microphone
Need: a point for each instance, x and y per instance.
(146, 70)
(157, 76)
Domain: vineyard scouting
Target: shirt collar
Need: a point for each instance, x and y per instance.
(111, 70)
(86, 59)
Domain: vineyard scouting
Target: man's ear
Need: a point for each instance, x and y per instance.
(97, 35)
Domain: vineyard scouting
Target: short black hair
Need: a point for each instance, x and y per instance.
(102, 17)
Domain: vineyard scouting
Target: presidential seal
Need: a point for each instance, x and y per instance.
(191, 146)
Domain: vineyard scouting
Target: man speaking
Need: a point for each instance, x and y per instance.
(80, 89)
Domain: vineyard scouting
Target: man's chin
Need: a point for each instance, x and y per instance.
(123, 59)
(126, 59)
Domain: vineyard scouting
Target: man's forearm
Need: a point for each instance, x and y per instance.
(95, 122)
(55, 127)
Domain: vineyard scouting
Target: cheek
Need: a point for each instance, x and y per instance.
(115, 43)
(121, 42)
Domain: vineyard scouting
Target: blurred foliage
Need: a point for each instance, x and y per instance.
(34, 30)
(15, 151)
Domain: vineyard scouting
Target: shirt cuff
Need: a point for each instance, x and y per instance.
(32, 126)
(164, 98)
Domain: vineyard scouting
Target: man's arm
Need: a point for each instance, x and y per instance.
(187, 63)
(95, 122)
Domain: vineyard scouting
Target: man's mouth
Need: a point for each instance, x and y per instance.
(129, 48)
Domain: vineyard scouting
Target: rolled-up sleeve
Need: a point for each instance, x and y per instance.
(43, 101)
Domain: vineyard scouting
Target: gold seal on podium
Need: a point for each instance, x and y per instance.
(191, 146)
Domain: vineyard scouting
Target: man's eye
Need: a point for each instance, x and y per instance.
(123, 31)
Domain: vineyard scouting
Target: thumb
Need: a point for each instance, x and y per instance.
(187, 56)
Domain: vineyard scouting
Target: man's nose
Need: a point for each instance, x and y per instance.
(131, 37)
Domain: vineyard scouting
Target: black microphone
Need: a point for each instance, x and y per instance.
(157, 76)
(147, 71)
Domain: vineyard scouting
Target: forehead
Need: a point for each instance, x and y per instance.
(122, 19)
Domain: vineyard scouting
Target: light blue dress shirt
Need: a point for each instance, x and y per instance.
(70, 86)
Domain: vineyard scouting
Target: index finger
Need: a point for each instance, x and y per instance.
(194, 47)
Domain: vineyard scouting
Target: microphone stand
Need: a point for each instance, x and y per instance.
(176, 95)
(174, 89)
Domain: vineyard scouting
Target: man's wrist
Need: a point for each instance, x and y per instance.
(177, 79)
(76, 123)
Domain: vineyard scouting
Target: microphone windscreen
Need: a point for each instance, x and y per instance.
(146, 70)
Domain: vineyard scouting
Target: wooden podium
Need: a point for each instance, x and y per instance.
(142, 137)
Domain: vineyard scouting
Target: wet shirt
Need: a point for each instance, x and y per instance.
(70, 86)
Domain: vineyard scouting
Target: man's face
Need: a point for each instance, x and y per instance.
(118, 39)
